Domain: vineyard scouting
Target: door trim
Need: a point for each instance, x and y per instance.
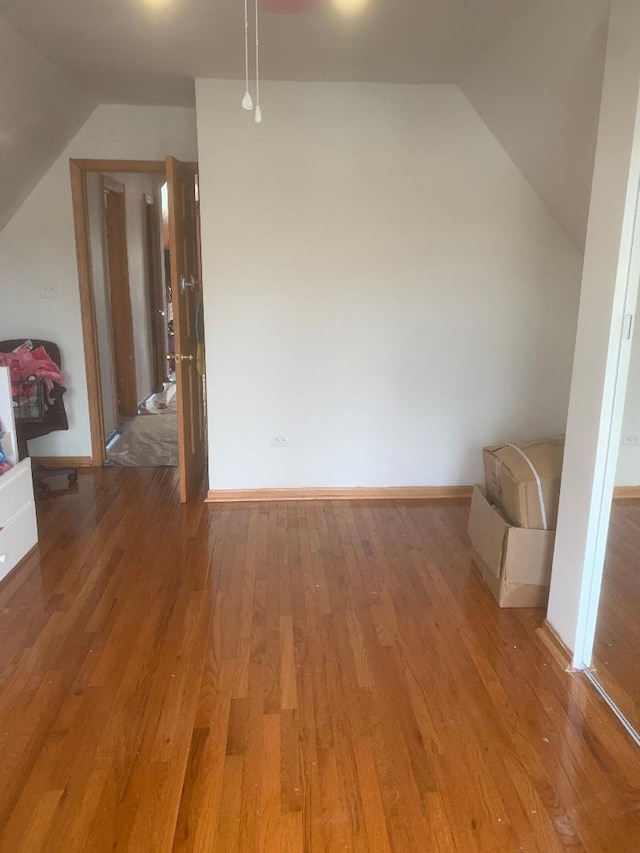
(79, 170)
(120, 321)
(155, 290)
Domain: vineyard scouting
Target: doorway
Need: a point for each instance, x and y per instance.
(130, 306)
(167, 248)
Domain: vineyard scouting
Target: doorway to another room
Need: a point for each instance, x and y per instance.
(129, 253)
(137, 236)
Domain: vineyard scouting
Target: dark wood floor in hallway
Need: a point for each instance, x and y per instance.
(287, 677)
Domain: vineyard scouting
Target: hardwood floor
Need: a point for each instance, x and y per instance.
(287, 677)
(616, 653)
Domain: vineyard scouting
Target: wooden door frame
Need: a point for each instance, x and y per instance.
(122, 341)
(112, 361)
(79, 170)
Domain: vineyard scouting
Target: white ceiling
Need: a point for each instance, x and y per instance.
(123, 51)
(531, 68)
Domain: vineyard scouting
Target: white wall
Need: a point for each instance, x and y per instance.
(539, 91)
(381, 285)
(588, 480)
(41, 108)
(38, 245)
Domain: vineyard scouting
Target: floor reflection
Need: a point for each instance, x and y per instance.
(616, 654)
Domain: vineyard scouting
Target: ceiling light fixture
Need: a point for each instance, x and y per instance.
(350, 8)
(247, 100)
(157, 4)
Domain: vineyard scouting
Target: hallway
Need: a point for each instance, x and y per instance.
(150, 439)
(287, 677)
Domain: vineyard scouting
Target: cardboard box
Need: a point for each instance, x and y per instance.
(515, 562)
(523, 479)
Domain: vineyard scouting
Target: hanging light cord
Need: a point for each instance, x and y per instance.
(258, 117)
(247, 102)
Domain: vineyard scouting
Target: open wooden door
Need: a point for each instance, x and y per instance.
(186, 286)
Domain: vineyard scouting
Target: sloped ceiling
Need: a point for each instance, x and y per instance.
(150, 51)
(538, 89)
(532, 69)
(41, 108)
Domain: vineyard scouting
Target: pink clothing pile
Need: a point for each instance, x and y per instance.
(26, 363)
(33, 372)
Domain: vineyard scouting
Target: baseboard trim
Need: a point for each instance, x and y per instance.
(626, 492)
(64, 461)
(394, 493)
(550, 638)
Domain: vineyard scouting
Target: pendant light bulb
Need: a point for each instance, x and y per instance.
(248, 102)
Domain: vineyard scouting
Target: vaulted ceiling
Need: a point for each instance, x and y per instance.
(147, 51)
(41, 108)
(532, 69)
(539, 91)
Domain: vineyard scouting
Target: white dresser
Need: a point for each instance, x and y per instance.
(18, 525)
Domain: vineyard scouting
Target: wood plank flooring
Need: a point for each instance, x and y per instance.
(313, 677)
(616, 652)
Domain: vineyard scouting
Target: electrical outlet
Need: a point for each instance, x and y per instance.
(280, 441)
(631, 439)
(48, 291)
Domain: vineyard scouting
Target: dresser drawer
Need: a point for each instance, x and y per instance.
(17, 538)
(16, 491)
